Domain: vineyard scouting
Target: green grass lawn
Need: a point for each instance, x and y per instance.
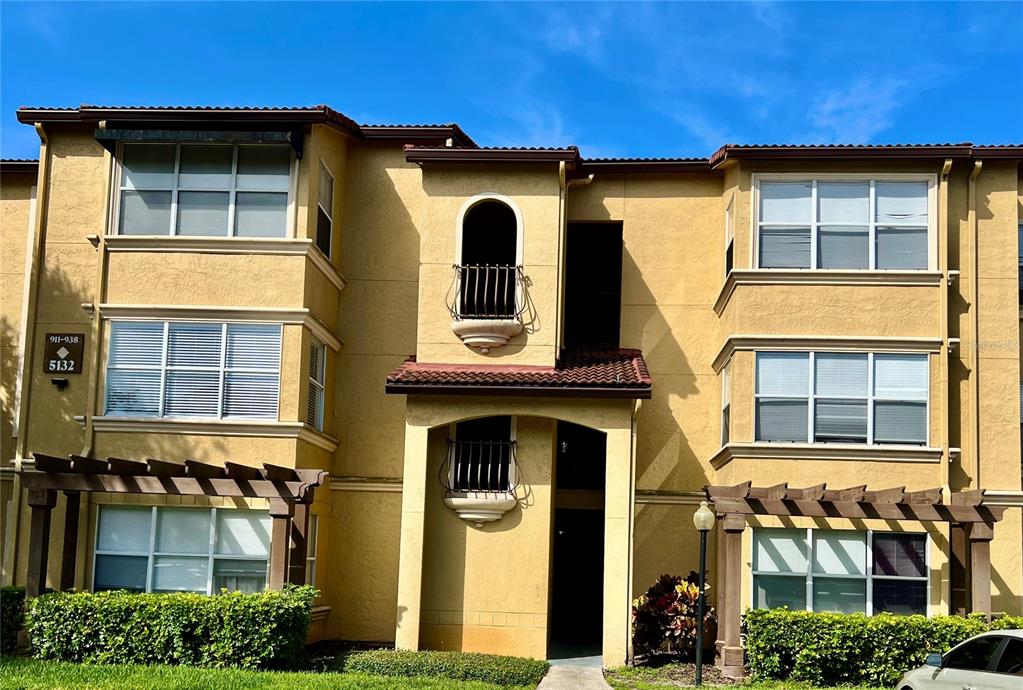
(17, 673)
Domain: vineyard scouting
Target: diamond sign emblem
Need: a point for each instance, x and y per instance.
(63, 352)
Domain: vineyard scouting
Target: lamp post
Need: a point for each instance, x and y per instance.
(703, 519)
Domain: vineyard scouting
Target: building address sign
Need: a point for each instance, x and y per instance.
(63, 353)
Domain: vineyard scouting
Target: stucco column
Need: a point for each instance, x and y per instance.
(618, 510)
(410, 558)
(729, 644)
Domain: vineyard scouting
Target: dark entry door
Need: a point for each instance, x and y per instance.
(578, 583)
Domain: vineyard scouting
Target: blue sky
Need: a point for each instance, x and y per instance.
(634, 79)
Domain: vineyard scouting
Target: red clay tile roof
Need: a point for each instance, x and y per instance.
(589, 372)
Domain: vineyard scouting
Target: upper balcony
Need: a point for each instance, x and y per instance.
(486, 304)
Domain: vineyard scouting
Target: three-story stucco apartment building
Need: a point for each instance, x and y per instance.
(475, 394)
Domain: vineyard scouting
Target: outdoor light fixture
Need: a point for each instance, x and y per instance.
(703, 519)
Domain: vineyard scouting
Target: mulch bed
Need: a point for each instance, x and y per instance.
(666, 672)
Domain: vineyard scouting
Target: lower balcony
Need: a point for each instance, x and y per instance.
(479, 476)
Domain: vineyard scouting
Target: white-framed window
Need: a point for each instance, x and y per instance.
(310, 555)
(481, 456)
(317, 378)
(216, 190)
(844, 223)
(325, 211)
(193, 369)
(169, 549)
(842, 397)
(844, 571)
(726, 402)
(730, 236)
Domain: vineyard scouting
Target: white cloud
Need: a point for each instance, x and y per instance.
(43, 20)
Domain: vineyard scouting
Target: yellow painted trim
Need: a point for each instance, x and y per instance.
(366, 484)
(770, 276)
(214, 427)
(824, 451)
(280, 246)
(831, 343)
(175, 312)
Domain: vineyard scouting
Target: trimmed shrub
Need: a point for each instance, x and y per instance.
(264, 630)
(12, 617)
(664, 618)
(851, 649)
(489, 668)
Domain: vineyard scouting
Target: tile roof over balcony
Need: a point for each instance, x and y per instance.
(618, 373)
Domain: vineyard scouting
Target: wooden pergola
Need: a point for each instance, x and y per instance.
(972, 522)
(289, 492)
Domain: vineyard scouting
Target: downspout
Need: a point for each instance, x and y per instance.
(27, 347)
(974, 325)
(99, 293)
(946, 354)
(564, 185)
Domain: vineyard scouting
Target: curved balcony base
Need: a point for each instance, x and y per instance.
(486, 333)
(480, 506)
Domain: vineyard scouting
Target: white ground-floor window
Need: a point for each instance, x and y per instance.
(310, 557)
(845, 571)
(169, 549)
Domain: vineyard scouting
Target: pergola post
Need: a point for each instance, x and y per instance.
(981, 534)
(69, 555)
(729, 645)
(299, 544)
(959, 589)
(41, 502)
(280, 538)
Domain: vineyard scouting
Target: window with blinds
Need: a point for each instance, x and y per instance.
(841, 571)
(325, 211)
(726, 402)
(185, 369)
(841, 397)
(157, 549)
(843, 225)
(232, 190)
(317, 378)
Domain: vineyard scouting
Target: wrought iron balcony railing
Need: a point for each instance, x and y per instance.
(479, 467)
(487, 292)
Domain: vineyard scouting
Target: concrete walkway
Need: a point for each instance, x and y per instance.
(581, 673)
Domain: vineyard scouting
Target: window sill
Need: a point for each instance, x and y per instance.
(281, 246)
(824, 451)
(214, 427)
(772, 276)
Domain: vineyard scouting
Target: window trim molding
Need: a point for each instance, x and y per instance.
(833, 343)
(117, 184)
(822, 276)
(868, 577)
(842, 452)
(278, 246)
(932, 210)
(213, 427)
(477, 199)
(178, 312)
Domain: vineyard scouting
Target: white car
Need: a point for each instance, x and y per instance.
(991, 661)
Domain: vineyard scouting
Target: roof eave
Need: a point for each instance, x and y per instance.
(27, 167)
(731, 152)
(636, 393)
(640, 166)
(415, 154)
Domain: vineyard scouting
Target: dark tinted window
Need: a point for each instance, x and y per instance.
(900, 596)
(899, 555)
(973, 656)
(1012, 658)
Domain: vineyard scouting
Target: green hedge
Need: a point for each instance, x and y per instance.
(489, 668)
(265, 630)
(851, 649)
(12, 617)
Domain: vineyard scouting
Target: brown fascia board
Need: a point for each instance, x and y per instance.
(730, 152)
(418, 154)
(1012, 151)
(640, 165)
(192, 116)
(534, 391)
(22, 166)
(419, 133)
